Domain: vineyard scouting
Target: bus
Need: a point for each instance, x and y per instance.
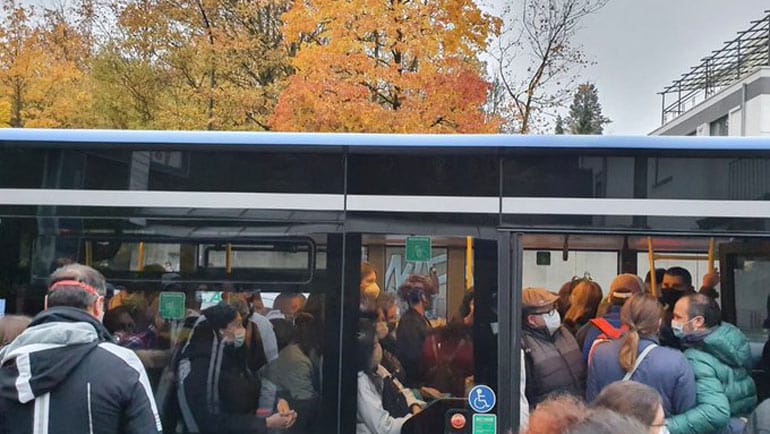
(211, 214)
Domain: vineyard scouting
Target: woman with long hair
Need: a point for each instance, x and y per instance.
(583, 303)
(637, 356)
(295, 375)
(373, 383)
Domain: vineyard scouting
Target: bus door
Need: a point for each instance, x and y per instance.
(745, 281)
(442, 337)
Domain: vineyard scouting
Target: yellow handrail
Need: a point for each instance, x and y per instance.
(89, 253)
(683, 257)
(468, 262)
(652, 256)
(140, 257)
(651, 259)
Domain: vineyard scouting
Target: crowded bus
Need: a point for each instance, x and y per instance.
(340, 283)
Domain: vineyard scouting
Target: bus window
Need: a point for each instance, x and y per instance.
(549, 269)
(751, 277)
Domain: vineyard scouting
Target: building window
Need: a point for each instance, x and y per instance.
(719, 127)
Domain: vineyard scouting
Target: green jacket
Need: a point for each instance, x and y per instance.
(724, 387)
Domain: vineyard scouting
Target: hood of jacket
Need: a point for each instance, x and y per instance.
(39, 359)
(728, 344)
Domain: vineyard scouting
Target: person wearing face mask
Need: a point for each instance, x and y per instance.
(379, 318)
(677, 283)
(553, 360)
(637, 356)
(373, 383)
(387, 312)
(720, 356)
(413, 327)
(216, 392)
(370, 290)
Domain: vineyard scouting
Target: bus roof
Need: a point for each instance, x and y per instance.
(238, 138)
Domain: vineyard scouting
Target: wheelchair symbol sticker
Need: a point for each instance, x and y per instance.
(482, 399)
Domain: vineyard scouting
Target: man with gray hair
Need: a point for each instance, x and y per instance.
(64, 373)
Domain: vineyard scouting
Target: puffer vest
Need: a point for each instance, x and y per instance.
(554, 364)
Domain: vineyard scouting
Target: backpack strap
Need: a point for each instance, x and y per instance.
(639, 359)
(602, 338)
(607, 329)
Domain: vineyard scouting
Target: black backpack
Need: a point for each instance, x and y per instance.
(393, 401)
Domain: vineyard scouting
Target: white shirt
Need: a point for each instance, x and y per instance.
(372, 418)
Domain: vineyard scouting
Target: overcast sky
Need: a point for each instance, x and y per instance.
(640, 46)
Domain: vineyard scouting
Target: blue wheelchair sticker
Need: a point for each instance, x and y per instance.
(482, 399)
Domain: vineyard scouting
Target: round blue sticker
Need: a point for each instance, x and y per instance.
(482, 399)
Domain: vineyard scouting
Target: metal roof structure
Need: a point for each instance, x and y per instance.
(736, 59)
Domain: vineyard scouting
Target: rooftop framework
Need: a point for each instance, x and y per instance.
(738, 58)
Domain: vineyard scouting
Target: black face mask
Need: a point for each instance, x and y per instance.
(669, 297)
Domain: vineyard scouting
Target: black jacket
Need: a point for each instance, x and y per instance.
(554, 364)
(410, 337)
(64, 375)
(216, 392)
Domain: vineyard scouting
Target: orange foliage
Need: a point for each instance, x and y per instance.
(386, 66)
(42, 79)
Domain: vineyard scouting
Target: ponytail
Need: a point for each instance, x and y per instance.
(628, 350)
(641, 314)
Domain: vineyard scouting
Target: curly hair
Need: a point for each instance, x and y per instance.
(415, 286)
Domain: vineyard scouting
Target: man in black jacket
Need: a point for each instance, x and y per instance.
(64, 374)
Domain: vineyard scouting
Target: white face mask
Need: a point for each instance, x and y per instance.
(552, 321)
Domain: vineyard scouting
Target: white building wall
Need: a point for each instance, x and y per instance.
(758, 116)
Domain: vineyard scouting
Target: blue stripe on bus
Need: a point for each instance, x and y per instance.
(382, 140)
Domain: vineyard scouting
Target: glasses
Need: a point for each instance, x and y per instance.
(541, 312)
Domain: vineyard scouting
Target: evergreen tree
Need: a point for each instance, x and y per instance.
(585, 113)
(559, 125)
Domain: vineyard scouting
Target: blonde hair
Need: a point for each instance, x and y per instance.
(641, 314)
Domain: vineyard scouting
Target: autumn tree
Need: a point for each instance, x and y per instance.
(386, 66)
(535, 58)
(43, 67)
(193, 64)
(585, 113)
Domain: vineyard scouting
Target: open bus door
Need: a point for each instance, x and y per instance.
(463, 264)
(745, 281)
